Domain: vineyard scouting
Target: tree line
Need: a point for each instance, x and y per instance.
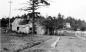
(51, 23)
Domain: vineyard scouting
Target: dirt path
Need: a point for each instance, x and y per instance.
(71, 44)
(51, 43)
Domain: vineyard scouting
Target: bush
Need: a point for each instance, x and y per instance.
(83, 29)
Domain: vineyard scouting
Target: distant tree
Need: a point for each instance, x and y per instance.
(12, 19)
(53, 23)
(24, 16)
(75, 23)
(60, 22)
(48, 23)
(83, 26)
(4, 22)
(17, 17)
(72, 22)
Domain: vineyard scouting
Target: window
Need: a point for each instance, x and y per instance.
(30, 28)
(17, 28)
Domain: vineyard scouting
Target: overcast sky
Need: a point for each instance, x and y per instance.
(74, 8)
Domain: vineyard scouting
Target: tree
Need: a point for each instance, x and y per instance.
(48, 23)
(72, 22)
(33, 6)
(60, 22)
(4, 22)
(53, 23)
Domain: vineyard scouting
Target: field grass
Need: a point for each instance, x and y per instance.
(16, 43)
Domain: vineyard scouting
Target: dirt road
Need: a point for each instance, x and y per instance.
(51, 43)
(65, 44)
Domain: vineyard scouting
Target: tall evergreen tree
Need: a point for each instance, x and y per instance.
(33, 6)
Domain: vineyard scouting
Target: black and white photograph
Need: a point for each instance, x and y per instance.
(42, 25)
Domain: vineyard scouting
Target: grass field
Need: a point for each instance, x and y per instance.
(13, 43)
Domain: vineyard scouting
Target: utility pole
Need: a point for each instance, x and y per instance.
(10, 2)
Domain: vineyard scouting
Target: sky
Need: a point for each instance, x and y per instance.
(74, 8)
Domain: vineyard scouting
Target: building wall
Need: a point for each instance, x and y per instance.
(26, 28)
(22, 28)
(40, 30)
(15, 24)
(68, 25)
